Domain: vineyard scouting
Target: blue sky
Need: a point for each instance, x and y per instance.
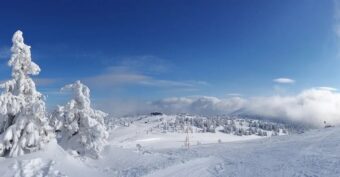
(148, 50)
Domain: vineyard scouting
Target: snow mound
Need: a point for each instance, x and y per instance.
(36, 168)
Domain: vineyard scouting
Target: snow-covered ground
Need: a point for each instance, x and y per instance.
(314, 153)
(154, 145)
(140, 133)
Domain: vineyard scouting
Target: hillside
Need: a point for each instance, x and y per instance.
(314, 153)
(170, 131)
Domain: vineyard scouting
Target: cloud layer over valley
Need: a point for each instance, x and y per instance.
(310, 107)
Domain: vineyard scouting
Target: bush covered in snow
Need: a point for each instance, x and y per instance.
(23, 122)
(80, 127)
(226, 124)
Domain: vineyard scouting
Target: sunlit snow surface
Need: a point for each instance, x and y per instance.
(314, 153)
(139, 133)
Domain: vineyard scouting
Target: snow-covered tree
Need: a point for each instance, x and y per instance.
(80, 127)
(23, 123)
(187, 129)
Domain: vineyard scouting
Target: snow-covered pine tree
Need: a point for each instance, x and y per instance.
(23, 123)
(80, 127)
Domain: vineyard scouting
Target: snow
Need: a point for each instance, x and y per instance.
(23, 122)
(128, 137)
(152, 146)
(148, 132)
(197, 167)
(81, 128)
(35, 168)
(314, 153)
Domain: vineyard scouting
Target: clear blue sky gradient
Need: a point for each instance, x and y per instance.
(219, 46)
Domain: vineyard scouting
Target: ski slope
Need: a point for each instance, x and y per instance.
(314, 153)
(138, 133)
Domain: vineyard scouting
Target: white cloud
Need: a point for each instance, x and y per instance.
(113, 79)
(199, 105)
(121, 107)
(170, 83)
(122, 75)
(147, 64)
(327, 88)
(310, 107)
(284, 80)
(117, 79)
(143, 71)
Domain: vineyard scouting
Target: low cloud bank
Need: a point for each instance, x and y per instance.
(311, 107)
(199, 105)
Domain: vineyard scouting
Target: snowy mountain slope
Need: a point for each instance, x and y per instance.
(139, 133)
(199, 167)
(314, 153)
(53, 161)
(165, 131)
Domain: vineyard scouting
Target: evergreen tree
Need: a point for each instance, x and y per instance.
(23, 123)
(81, 127)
